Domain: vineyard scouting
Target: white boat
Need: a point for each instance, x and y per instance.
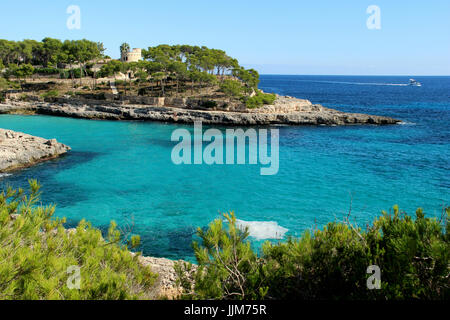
(413, 82)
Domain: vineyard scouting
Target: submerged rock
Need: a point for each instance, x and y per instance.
(20, 150)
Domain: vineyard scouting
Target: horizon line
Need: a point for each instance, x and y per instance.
(354, 75)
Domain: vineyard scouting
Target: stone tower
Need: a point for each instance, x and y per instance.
(133, 56)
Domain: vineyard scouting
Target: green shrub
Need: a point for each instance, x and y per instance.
(36, 253)
(50, 94)
(24, 97)
(7, 84)
(412, 254)
(66, 74)
(47, 71)
(209, 104)
(3, 84)
(260, 99)
(228, 267)
(232, 88)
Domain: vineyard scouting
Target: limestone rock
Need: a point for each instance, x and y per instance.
(19, 150)
(285, 110)
(165, 285)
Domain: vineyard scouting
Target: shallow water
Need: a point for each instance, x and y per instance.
(123, 171)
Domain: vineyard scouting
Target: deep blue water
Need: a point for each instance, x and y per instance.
(123, 171)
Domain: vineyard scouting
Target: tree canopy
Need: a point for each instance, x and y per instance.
(49, 51)
(170, 67)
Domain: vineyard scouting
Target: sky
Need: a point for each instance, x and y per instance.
(326, 37)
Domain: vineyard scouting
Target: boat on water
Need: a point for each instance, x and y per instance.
(414, 83)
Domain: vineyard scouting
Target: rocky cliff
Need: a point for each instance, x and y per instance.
(19, 150)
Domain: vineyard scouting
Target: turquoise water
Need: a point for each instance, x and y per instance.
(123, 171)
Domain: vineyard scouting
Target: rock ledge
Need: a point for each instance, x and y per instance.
(285, 111)
(19, 150)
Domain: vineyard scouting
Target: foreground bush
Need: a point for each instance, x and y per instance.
(228, 267)
(412, 254)
(38, 256)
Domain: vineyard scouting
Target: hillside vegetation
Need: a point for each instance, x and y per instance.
(164, 71)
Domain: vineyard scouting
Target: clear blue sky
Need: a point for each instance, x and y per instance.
(279, 37)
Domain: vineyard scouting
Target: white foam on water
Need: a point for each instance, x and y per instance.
(4, 175)
(261, 230)
(406, 123)
(358, 83)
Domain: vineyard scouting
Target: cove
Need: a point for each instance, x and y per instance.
(123, 171)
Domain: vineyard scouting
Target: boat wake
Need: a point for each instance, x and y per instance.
(262, 230)
(359, 83)
(406, 123)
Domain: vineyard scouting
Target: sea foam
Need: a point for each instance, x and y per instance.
(261, 230)
(406, 123)
(4, 175)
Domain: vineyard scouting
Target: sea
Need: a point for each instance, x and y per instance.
(123, 171)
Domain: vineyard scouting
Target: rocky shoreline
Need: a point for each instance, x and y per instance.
(165, 286)
(19, 150)
(285, 111)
